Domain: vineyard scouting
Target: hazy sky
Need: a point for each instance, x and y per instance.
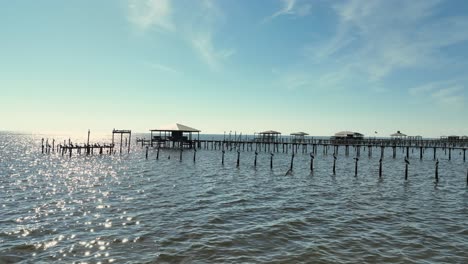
(245, 66)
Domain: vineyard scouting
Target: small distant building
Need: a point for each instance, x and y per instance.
(464, 138)
(269, 136)
(348, 135)
(453, 138)
(398, 135)
(415, 138)
(298, 137)
(177, 135)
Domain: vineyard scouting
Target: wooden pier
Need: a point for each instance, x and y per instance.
(333, 146)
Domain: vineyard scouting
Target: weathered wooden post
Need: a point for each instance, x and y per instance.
(434, 153)
(464, 155)
(394, 151)
(292, 161)
(180, 156)
(194, 154)
(312, 162)
(407, 152)
(356, 166)
(121, 139)
(129, 141)
(42, 146)
(380, 168)
(53, 145)
(255, 160)
(70, 149)
(157, 153)
(334, 164)
(406, 168)
(420, 153)
(222, 157)
(238, 157)
(271, 160)
(450, 153)
(437, 171)
(146, 152)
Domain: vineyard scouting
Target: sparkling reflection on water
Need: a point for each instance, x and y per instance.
(104, 209)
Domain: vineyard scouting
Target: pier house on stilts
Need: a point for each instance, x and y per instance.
(174, 136)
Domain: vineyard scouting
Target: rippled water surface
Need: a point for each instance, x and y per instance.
(103, 209)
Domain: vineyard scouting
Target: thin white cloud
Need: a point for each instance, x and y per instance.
(203, 44)
(377, 38)
(449, 97)
(197, 27)
(446, 94)
(292, 8)
(163, 68)
(146, 14)
(201, 35)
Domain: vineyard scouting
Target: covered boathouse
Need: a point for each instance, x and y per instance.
(344, 135)
(268, 136)
(298, 137)
(174, 136)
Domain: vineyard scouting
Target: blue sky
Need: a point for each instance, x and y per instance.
(245, 66)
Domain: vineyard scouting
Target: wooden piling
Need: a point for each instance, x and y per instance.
(380, 168)
(311, 162)
(121, 139)
(180, 156)
(406, 168)
(450, 153)
(255, 160)
(356, 166)
(292, 161)
(334, 164)
(157, 153)
(238, 158)
(437, 171)
(146, 152)
(271, 160)
(434, 153)
(222, 157)
(194, 154)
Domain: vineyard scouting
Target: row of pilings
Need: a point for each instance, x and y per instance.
(406, 162)
(328, 148)
(68, 148)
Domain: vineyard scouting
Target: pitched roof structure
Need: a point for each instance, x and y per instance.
(271, 132)
(176, 127)
(398, 134)
(299, 134)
